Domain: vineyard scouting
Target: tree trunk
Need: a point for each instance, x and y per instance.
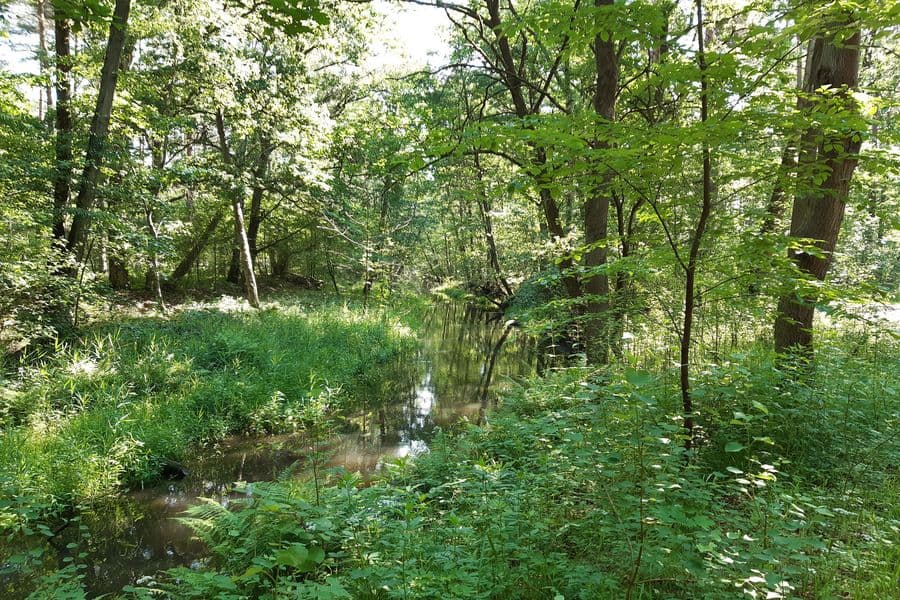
(690, 270)
(234, 264)
(62, 177)
(513, 82)
(240, 232)
(99, 128)
(596, 207)
(551, 215)
(118, 274)
(200, 243)
(819, 209)
(246, 259)
(488, 225)
(259, 174)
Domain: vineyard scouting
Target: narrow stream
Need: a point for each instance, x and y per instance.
(466, 355)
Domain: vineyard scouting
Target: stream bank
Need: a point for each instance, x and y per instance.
(465, 356)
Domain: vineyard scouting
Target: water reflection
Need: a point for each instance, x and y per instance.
(466, 356)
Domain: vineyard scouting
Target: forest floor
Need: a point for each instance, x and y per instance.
(577, 485)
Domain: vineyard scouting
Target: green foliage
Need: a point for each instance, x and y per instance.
(475, 182)
(64, 584)
(578, 487)
(113, 409)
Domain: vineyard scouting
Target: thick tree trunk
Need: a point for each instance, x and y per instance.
(118, 274)
(596, 285)
(99, 128)
(596, 207)
(819, 209)
(62, 177)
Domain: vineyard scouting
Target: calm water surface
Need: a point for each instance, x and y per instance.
(466, 356)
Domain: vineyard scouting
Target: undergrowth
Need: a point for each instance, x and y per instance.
(116, 407)
(579, 487)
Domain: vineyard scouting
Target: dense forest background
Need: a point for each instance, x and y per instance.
(690, 209)
(597, 146)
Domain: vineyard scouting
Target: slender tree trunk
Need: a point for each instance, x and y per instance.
(690, 298)
(99, 128)
(819, 209)
(554, 226)
(624, 295)
(488, 225)
(246, 260)
(259, 173)
(255, 216)
(596, 207)
(62, 177)
(200, 243)
(513, 82)
(238, 211)
(155, 280)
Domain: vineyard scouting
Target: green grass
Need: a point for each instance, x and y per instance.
(110, 409)
(578, 488)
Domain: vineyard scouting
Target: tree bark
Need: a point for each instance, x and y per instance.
(62, 177)
(99, 128)
(690, 270)
(246, 260)
(118, 274)
(818, 210)
(596, 207)
(238, 211)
